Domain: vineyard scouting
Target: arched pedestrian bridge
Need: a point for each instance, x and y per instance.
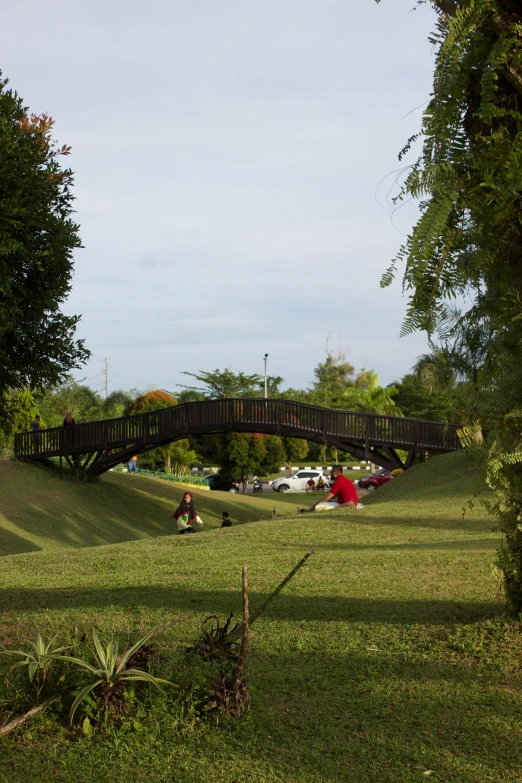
(104, 444)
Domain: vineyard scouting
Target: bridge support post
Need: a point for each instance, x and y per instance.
(412, 453)
(393, 457)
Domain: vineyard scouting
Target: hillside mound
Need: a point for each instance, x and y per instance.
(38, 510)
(443, 484)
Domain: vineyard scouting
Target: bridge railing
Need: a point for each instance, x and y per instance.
(229, 414)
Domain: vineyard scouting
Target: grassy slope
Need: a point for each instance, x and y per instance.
(40, 511)
(383, 659)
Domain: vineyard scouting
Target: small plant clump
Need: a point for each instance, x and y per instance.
(101, 684)
(217, 642)
(39, 661)
(229, 693)
(102, 688)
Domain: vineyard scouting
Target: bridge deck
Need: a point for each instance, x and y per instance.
(109, 442)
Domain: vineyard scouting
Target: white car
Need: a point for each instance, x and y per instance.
(297, 482)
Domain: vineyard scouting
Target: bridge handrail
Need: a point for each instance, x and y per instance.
(225, 413)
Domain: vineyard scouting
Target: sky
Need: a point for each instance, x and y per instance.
(232, 163)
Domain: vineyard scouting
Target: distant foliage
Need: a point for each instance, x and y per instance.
(224, 383)
(86, 404)
(152, 401)
(243, 455)
(296, 450)
(373, 398)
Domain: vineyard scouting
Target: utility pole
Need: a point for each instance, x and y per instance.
(105, 372)
(266, 386)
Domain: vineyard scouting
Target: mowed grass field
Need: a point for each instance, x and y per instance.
(39, 511)
(385, 660)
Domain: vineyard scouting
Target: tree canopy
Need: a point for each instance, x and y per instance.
(224, 383)
(37, 238)
(468, 239)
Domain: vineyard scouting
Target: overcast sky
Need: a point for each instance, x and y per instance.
(228, 155)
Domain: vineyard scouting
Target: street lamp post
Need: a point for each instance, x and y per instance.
(266, 386)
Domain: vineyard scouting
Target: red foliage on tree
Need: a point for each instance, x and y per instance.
(152, 401)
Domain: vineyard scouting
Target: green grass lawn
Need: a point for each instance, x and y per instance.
(386, 658)
(39, 511)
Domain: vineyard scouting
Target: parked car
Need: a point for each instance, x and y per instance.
(376, 480)
(221, 483)
(297, 482)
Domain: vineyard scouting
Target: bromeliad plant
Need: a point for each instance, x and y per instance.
(39, 662)
(108, 674)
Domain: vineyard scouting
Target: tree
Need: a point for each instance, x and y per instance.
(189, 395)
(417, 400)
(37, 238)
(243, 455)
(334, 376)
(118, 403)
(149, 403)
(468, 239)
(152, 401)
(22, 411)
(373, 398)
(85, 403)
(296, 449)
(225, 383)
(178, 456)
(459, 354)
(273, 384)
(275, 453)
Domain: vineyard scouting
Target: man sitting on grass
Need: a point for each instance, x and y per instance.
(342, 488)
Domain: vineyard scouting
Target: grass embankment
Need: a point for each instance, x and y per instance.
(385, 659)
(40, 511)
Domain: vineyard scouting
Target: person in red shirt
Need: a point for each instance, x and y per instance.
(310, 485)
(342, 488)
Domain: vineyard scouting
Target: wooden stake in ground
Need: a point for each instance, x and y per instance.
(244, 635)
(235, 632)
(280, 586)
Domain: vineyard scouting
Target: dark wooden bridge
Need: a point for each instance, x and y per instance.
(104, 444)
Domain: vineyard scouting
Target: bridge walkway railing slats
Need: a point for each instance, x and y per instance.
(238, 414)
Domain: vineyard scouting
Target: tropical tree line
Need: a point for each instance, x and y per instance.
(426, 392)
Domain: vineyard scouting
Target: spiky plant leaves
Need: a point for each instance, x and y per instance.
(81, 696)
(38, 661)
(218, 641)
(134, 649)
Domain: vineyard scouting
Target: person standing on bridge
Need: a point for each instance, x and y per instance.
(186, 514)
(342, 488)
(36, 429)
(68, 421)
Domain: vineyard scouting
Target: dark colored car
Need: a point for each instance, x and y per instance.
(376, 480)
(222, 483)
